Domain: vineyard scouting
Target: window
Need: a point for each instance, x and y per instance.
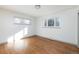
(52, 22)
(27, 21)
(21, 21)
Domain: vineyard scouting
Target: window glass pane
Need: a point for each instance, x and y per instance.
(17, 20)
(27, 21)
(21, 21)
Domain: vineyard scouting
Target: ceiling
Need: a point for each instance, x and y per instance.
(32, 11)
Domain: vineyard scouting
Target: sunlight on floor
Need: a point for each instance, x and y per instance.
(16, 42)
(20, 44)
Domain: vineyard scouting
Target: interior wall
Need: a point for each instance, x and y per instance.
(66, 33)
(8, 28)
(68, 30)
(78, 30)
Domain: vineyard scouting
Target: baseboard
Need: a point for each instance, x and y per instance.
(29, 36)
(44, 38)
(57, 41)
(3, 43)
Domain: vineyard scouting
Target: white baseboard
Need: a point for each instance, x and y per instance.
(58, 40)
(3, 42)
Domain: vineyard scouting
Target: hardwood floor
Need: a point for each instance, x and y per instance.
(37, 45)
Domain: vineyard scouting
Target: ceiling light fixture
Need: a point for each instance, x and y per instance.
(37, 6)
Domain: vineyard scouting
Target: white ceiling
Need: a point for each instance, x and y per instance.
(30, 9)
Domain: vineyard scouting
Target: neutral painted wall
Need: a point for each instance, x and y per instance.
(66, 33)
(78, 30)
(7, 28)
(68, 30)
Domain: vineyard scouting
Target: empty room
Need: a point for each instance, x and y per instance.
(39, 29)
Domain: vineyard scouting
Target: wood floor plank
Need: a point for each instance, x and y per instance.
(38, 45)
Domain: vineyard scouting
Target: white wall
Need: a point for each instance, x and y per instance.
(78, 30)
(7, 28)
(66, 33)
